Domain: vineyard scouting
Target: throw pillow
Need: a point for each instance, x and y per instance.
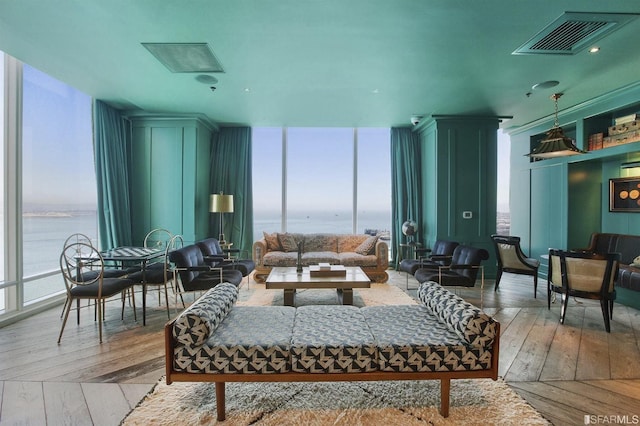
(272, 241)
(287, 242)
(367, 246)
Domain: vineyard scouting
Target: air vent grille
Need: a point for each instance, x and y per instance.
(185, 57)
(572, 31)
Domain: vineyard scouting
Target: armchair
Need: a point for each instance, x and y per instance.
(212, 252)
(584, 275)
(511, 259)
(462, 271)
(195, 274)
(439, 255)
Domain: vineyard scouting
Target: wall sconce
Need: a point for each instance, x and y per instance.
(221, 203)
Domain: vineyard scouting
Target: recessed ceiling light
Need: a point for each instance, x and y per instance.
(594, 49)
(545, 85)
(206, 79)
(247, 90)
(376, 91)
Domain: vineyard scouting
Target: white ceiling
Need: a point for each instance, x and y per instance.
(321, 62)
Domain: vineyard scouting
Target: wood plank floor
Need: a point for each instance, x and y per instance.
(565, 371)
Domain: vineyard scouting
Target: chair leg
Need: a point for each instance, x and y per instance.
(535, 285)
(604, 304)
(611, 309)
(563, 307)
(100, 312)
(498, 276)
(166, 299)
(66, 315)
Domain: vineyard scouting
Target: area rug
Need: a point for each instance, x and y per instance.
(473, 402)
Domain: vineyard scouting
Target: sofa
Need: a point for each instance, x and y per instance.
(441, 338)
(629, 248)
(281, 249)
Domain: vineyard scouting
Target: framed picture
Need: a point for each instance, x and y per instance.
(624, 194)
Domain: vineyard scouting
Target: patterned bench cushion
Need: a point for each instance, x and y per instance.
(466, 320)
(411, 339)
(196, 323)
(250, 340)
(332, 339)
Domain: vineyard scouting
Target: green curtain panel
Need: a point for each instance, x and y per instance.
(231, 173)
(111, 146)
(406, 189)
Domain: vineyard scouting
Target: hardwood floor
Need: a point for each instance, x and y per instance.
(565, 371)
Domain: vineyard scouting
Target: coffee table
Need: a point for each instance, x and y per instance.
(289, 280)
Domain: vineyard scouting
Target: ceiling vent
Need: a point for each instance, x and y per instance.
(572, 32)
(185, 57)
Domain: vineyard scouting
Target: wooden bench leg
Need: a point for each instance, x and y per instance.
(445, 387)
(220, 409)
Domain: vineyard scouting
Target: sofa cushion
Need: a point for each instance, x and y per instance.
(273, 244)
(411, 339)
(313, 258)
(368, 246)
(332, 339)
(355, 259)
(469, 322)
(280, 258)
(288, 242)
(250, 340)
(320, 242)
(350, 242)
(196, 323)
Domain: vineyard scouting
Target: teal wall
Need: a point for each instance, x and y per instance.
(170, 176)
(459, 173)
(559, 202)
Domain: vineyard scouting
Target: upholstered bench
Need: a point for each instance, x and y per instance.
(442, 338)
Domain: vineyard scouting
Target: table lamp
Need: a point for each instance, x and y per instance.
(221, 203)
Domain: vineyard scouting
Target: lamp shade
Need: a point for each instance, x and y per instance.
(221, 203)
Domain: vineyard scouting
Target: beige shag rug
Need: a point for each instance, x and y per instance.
(473, 402)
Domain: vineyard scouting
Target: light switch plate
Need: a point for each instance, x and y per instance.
(467, 215)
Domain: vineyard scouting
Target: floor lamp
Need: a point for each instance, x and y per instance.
(221, 203)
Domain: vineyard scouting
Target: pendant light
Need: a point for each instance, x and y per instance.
(555, 144)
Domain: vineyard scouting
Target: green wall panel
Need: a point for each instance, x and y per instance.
(166, 148)
(170, 183)
(459, 173)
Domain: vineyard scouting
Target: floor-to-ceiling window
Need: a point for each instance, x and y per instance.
(503, 219)
(49, 180)
(2, 181)
(314, 180)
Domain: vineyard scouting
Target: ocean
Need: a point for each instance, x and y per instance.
(43, 237)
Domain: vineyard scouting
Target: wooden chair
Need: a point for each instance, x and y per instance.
(584, 275)
(511, 259)
(83, 270)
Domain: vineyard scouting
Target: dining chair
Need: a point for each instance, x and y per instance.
(108, 272)
(511, 258)
(82, 268)
(160, 274)
(583, 275)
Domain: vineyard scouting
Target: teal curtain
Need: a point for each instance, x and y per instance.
(406, 186)
(231, 173)
(111, 146)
